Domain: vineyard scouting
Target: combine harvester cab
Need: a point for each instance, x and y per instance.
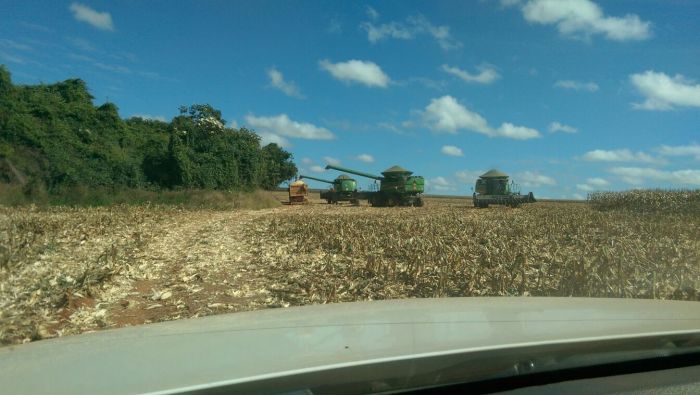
(343, 189)
(492, 187)
(298, 192)
(397, 187)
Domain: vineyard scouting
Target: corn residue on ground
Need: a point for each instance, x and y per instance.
(71, 270)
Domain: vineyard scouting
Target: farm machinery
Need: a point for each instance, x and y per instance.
(298, 192)
(343, 189)
(397, 187)
(493, 187)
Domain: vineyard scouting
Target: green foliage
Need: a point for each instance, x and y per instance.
(53, 136)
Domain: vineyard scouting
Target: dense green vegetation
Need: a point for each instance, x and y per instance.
(53, 139)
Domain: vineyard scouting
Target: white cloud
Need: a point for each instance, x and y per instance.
(372, 13)
(592, 184)
(534, 179)
(360, 71)
(446, 114)
(11, 44)
(408, 30)
(597, 182)
(439, 181)
(584, 18)
(681, 150)
(509, 130)
(367, 158)
(306, 161)
(577, 85)
(510, 3)
(281, 125)
(394, 128)
(663, 92)
(317, 169)
(560, 127)
(639, 175)
(440, 184)
(620, 155)
(487, 74)
(269, 138)
(334, 26)
(451, 150)
(468, 176)
(81, 43)
(578, 196)
(100, 20)
(278, 82)
(113, 68)
(331, 161)
(12, 58)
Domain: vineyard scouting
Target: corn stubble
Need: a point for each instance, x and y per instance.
(547, 249)
(72, 270)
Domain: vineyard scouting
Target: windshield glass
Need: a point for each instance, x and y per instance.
(162, 161)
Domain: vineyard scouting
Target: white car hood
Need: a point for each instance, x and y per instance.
(243, 347)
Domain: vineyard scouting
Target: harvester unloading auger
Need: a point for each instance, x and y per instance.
(492, 187)
(397, 187)
(343, 189)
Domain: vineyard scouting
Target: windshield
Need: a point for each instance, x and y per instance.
(162, 161)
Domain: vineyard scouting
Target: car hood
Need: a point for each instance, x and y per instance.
(252, 346)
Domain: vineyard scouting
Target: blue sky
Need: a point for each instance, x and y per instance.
(565, 96)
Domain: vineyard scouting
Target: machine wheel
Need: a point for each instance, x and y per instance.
(418, 202)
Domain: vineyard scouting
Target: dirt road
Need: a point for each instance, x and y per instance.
(104, 268)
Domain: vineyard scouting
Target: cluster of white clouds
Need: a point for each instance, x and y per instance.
(582, 19)
(275, 129)
(466, 178)
(534, 179)
(620, 155)
(440, 184)
(640, 175)
(357, 71)
(592, 184)
(681, 150)
(663, 92)
(446, 114)
(407, 30)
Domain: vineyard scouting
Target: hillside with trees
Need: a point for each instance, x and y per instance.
(52, 137)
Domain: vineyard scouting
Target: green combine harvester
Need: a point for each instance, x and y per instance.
(397, 187)
(492, 187)
(343, 189)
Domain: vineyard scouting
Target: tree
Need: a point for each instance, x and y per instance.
(58, 137)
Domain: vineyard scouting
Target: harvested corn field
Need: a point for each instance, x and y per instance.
(69, 270)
